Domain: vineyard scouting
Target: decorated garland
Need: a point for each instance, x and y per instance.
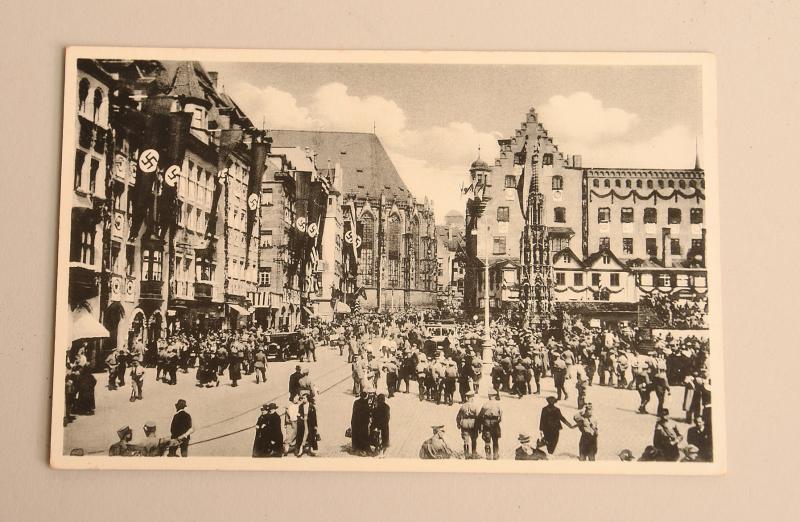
(672, 290)
(654, 195)
(585, 288)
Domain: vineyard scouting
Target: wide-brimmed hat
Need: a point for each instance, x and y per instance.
(551, 400)
(124, 431)
(524, 438)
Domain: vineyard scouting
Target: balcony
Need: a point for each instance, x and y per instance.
(151, 290)
(203, 290)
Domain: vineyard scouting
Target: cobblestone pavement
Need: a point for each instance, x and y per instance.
(219, 413)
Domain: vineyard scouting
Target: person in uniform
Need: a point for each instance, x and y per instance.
(260, 365)
(581, 384)
(490, 416)
(181, 429)
(235, 364)
(477, 370)
(436, 447)
(122, 448)
(587, 424)
(666, 437)
(422, 376)
(527, 452)
(391, 368)
(111, 366)
(137, 380)
(559, 376)
(660, 383)
(550, 423)
(153, 446)
(467, 422)
(450, 372)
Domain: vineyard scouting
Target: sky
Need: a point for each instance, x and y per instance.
(432, 119)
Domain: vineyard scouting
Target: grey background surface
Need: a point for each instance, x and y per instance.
(755, 44)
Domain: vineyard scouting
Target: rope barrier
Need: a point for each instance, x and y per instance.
(100, 452)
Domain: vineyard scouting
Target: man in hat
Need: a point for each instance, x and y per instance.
(526, 451)
(666, 437)
(559, 376)
(153, 446)
(550, 424)
(490, 417)
(436, 447)
(306, 384)
(467, 422)
(122, 448)
(137, 380)
(294, 382)
(379, 427)
(626, 455)
(181, 429)
(290, 424)
(260, 365)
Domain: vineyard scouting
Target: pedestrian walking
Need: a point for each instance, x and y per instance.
(666, 437)
(269, 436)
(260, 365)
(587, 424)
(550, 423)
(137, 380)
(181, 429)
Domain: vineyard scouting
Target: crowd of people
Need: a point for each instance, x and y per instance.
(390, 351)
(679, 313)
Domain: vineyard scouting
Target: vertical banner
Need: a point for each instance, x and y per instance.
(258, 157)
(228, 140)
(170, 163)
(146, 173)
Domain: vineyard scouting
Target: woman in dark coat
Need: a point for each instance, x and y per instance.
(269, 437)
(359, 425)
(85, 401)
(235, 366)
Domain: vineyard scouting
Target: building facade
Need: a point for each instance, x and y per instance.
(620, 233)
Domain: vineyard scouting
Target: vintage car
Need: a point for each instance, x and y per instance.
(284, 345)
(438, 336)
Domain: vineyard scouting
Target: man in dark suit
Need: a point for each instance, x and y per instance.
(181, 429)
(550, 424)
(700, 436)
(294, 382)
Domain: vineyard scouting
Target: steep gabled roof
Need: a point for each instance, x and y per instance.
(592, 259)
(568, 251)
(366, 165)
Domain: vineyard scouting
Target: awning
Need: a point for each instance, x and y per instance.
(341, 308)
(309, 311)
(84, 326)
(238, 309)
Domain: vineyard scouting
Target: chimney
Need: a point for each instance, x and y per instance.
(213, 76)
(577, 161)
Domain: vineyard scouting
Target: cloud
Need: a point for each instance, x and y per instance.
(336, 109)
(278, 108)
(672, 148)
(453, 144)
(583, 118)
(605, 136)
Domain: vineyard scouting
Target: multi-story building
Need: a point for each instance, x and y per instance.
(396, 263)
(88, 265)
(159, 250)
(618, 232)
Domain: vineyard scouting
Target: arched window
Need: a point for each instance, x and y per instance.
(596, 182)
(547, 159)
(682, 184)
(366, 264)
(607, 183)
(618, 183)
(638, 183)
(560, 215)
(393, 238)
(558, 183)
(627, 183)
(83, 93)
(671, 184)
(98, 101)
(649, 183)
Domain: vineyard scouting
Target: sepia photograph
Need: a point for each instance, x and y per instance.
(388, 261)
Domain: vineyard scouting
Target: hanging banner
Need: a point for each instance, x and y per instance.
(229, 139)
(145, 188)
(170, 162)
(258, 161)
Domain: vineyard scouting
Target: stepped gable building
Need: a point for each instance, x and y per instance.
(395, 266)
(613, 234)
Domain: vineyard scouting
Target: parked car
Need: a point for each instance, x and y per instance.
(284, 345)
